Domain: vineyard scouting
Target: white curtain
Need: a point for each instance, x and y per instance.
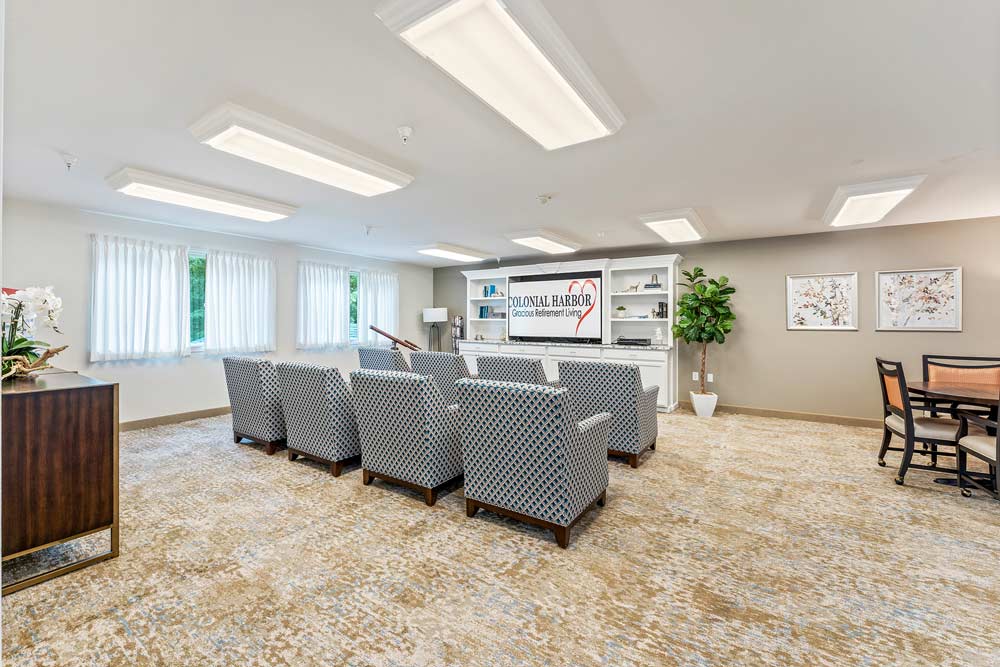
(140, 305)
(240, 301)
(324, 306)
(378, 304)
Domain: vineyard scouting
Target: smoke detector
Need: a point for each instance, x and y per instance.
(544, 199)
(69, 160)
(405, 132)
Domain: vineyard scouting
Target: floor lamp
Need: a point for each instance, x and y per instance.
(432, 316)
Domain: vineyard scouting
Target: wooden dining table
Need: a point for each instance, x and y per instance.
(957, 394)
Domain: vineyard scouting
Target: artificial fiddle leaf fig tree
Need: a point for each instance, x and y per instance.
(704, 315)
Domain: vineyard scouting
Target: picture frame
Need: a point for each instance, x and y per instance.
(919, 299)
(821, 301)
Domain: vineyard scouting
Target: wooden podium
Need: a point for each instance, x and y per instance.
(60, 466)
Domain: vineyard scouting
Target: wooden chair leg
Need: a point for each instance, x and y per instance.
(237, 439)
(430, 497)
(652, 447)
(962, 461)
(602, 499)
(886, 438)
(271, 449)
(292, 455)
(470, 508)
(633, 460)
(336, 468)
(366, 477)
(562, 536)
(905, 463)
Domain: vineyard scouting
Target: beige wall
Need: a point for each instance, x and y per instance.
(764, 366)
(50, 245)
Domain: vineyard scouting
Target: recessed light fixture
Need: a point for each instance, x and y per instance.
(253, 136)
(454, 252)
(513, 56)
(544, 240)
(867, 203)
(168, 190)
(677, 226)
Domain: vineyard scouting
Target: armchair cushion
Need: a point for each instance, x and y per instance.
(525, 453)
(383, 359)
(319, 412)
(405, 429)
(932, 428)
(984, 445)
(255, 398)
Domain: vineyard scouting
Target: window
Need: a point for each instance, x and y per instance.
(196, 279)
(354, 307)
(240, 302)
(139, 300)
(325, 305)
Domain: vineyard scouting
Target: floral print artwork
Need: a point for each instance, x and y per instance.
(920, 300)
(827, 301)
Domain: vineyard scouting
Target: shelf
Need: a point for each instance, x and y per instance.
(651, 292)
(640, 319)
(487, 298)
(487, 319)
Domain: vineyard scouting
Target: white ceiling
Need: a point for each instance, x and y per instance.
(750, 112)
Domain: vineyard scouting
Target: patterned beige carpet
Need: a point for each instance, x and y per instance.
(741, 541)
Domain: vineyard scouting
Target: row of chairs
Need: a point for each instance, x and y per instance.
(593, 387)
(522, 449)
(902, 418)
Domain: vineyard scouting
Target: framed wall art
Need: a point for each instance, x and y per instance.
(919, 300)
(822, 302)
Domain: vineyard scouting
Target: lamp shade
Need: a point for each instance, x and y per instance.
(435, 315)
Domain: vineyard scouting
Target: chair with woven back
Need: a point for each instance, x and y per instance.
(899, 420)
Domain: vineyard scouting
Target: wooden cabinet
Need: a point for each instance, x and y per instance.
(60, 465)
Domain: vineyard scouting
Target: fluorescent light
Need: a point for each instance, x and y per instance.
(513, 56)
(678, 226)
(146, 185)
(453, 252)
(544, 240)
(867, 203)
(256, 137)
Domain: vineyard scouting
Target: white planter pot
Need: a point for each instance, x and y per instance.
(704, 404)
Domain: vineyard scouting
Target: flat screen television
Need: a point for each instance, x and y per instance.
(555, 308)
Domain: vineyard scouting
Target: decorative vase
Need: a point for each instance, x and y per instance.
(622, 314)
(704, 404)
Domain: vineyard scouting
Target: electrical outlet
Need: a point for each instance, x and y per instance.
(711, 377)
(694, 376)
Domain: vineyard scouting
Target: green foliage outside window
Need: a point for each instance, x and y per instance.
(196, 269)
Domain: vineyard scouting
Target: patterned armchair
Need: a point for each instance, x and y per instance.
(383, 359)
(526, 370)
(445, 368)
(255, 397)
(408, 435)
(528, 458)
(616, 388)
(319, 415)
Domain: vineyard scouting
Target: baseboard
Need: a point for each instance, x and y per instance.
(173, 419)
(802, 416)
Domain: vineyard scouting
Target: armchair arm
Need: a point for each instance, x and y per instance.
(554, 384)
(595, 431)
(967, 417)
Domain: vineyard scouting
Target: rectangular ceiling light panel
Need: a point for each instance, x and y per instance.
(868, 203)
(453, 252)
(513, 56)
(680, 226)
(146, 185)
(252, 136)
(546, 242)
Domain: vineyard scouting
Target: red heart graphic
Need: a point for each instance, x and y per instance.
(583, 286)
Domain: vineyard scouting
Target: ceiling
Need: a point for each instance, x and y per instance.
(752, 113)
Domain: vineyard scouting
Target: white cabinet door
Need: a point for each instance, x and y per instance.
(653, 374)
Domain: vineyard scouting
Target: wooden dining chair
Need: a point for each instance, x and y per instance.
(898, 420)
(956, 369)
(982, 446)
